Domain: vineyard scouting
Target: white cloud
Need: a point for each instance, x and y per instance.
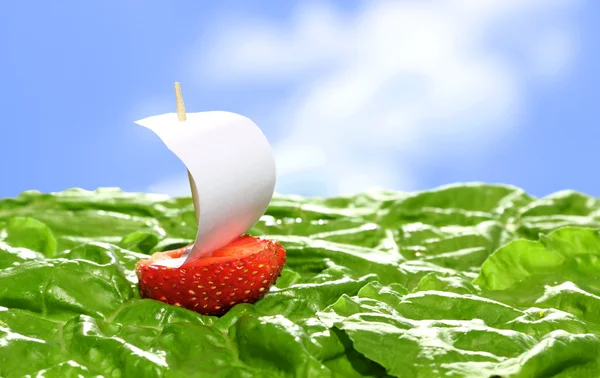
(395, 83)
(553, 53)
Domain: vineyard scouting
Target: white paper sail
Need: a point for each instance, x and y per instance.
(232, 165)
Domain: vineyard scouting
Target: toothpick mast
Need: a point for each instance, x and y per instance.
(181, 116)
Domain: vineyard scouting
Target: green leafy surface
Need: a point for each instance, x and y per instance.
(466, 280)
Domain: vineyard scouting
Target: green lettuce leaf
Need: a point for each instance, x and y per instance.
(469, 280)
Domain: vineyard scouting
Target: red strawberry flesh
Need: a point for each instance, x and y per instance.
(241, 272)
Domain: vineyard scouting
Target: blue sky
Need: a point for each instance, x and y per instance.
(405, 95)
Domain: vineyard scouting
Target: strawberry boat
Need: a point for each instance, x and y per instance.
(231, 168)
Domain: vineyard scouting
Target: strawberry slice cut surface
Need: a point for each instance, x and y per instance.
(241, 272)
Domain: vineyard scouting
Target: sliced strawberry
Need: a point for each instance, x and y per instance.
(241, 272)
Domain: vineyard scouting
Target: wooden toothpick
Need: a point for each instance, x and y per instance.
(181, 116)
